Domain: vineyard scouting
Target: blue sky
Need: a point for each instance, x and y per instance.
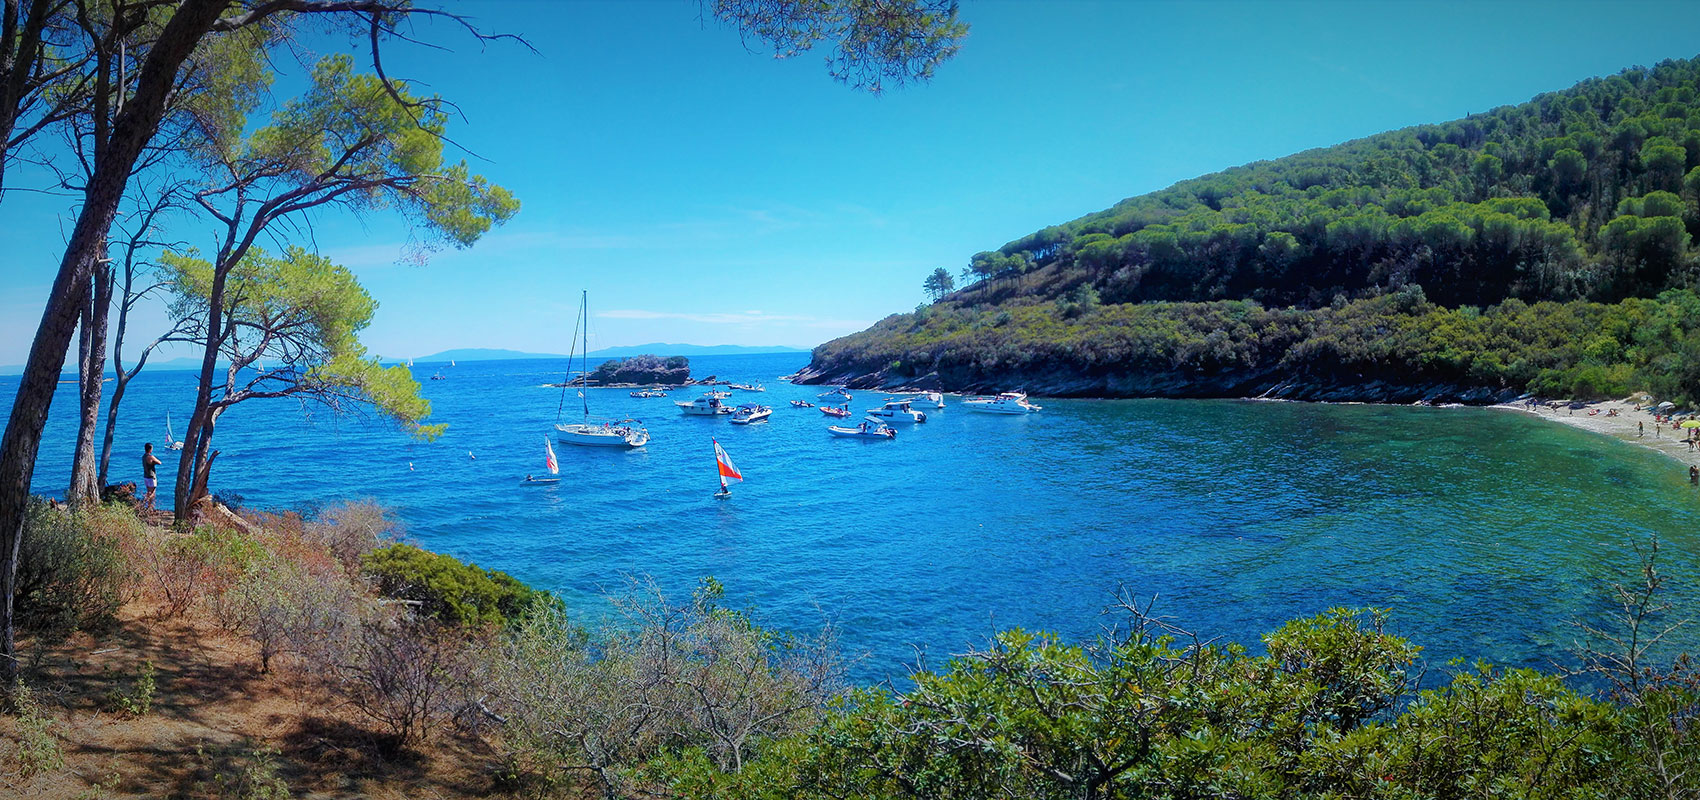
(706, 193)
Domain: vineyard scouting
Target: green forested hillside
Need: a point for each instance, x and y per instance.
(1582, 197)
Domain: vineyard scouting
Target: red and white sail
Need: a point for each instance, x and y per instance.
(727, 468)
(549, 457)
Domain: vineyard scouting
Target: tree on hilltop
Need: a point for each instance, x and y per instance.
(939, 283)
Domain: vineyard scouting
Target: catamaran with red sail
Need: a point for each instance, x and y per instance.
(727, 469)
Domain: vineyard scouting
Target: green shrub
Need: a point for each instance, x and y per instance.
(448, 589)
(139, 700)
(69, 578)
(37, 749)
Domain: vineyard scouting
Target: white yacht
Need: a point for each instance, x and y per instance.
(897, 411)
(750, 412)
(707, 405)
(1005, 403)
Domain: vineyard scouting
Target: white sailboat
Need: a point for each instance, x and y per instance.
(727, 469)
(549, 462)
(171, 442)
(590, 432)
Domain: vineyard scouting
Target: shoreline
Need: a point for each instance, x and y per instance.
(1660, 438)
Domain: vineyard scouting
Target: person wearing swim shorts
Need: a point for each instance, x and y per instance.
(149, 478)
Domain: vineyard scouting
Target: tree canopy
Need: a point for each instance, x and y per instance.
(291, 325)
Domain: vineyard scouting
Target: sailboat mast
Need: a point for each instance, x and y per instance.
(584, 353)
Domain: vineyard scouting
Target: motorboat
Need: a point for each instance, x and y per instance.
(897, 411)
(870, 429)
(707, 405)
(1005, 403)
(648, 393)
(750, 412)
(590, 431)
(802, 404)
(835, 411)
(836, 393)
(748, 387)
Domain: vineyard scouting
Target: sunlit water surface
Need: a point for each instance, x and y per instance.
(1487, 533)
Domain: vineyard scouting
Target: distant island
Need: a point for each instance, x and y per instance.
(1543, 248)
(658, 348)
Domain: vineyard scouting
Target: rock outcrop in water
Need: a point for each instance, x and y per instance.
(643, 370)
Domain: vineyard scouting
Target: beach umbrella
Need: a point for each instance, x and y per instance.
(1693, 423)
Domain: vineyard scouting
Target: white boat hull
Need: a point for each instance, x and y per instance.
(898, 418)
(997, 408)
(599, 436)
(856, 433)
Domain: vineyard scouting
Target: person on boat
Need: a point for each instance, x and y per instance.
(149, 478)
(528, 479)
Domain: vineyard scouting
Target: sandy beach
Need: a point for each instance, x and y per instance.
(1660, 437)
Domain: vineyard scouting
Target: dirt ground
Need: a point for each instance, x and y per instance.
(216, 722)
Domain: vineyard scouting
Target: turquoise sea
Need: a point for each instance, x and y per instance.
(1488, 533)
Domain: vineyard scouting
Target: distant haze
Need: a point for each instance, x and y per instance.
(654, 349)
(495, 354)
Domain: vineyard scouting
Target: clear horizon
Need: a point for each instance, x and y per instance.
(706, 194)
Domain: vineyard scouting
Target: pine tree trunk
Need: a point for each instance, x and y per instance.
(113, 164)
(85, 478)
(198, 437)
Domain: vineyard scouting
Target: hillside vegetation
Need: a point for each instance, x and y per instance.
(1494, 255)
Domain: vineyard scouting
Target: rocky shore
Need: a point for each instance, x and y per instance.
(1261, 384)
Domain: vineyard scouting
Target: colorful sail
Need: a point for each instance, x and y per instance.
(554, 468)
(727, 469)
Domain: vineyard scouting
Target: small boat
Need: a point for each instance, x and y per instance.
(439, 377)
(928, 400)
(171, 438)
(835, 411)
(1005, 403)
(589, 432)
(838, 393)
(707, 405)
(747, 387)
(549, 462)
(750, 412)
(723, 463)
(897, 411)
(802, 404)
(871, 429)
(649, 393)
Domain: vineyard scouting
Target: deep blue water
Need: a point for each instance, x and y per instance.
(1486, 532)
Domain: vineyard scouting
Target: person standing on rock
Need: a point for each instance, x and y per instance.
(149, 478)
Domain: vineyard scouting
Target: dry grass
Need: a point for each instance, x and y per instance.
(217, 726)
